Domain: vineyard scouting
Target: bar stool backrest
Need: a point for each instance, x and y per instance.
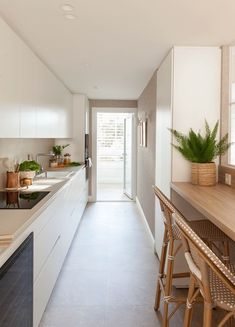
(167, 209)
(201, 260)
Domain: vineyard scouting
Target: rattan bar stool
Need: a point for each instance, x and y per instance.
(210, 234)
(215, 281)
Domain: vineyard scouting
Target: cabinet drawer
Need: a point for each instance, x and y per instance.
(46, 280)
(45, 241)
(75, 218)
(43, 218)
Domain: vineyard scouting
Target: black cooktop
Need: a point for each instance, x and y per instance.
(20, 200)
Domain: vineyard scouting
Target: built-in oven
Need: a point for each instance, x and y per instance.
(16, 287)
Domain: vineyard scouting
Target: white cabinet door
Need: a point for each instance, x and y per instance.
(62, 108)
(44, 115)
(53, 238)
(54, 106)
(33, 102)
(80, 125)
(86, 116)
(9, 104)
(26, 91)
(46, 281)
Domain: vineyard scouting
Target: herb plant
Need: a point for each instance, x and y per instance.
(29, 166)
(57, 149)
(199, 148)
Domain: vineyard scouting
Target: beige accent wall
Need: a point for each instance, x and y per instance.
(146, 156)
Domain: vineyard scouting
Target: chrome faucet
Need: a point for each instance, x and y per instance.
(38, 155)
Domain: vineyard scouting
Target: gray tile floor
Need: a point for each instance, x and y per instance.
(109, 276)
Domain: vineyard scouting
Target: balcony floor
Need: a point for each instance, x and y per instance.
(111, 192)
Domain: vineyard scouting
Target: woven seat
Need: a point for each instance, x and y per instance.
(170, 249)
(216, 281)
(208, 231)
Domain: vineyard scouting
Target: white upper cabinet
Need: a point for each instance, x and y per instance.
(33, 102)
(26, 91)
(9, 105)
(80, 123)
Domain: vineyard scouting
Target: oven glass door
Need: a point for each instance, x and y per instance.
(16, 287)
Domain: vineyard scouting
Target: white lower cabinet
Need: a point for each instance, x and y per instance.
(52, 241)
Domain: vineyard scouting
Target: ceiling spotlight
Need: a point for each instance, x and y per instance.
(70, 16)
(66, 7)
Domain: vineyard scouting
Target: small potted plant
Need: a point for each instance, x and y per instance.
(67, 158)
(57, 150)
(28, 169)
(201, 150)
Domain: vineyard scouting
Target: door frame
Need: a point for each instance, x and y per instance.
(133, 178)
(94, 111)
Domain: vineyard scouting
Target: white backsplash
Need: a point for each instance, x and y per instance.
(18, 149)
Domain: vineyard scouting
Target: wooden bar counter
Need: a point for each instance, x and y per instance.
(217, 203)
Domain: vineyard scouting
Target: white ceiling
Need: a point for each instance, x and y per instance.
(113, 47)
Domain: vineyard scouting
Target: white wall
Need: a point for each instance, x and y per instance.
(197, 85)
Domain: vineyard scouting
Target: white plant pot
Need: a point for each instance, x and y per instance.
(27, 174)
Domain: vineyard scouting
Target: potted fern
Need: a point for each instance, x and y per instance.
(201, 150)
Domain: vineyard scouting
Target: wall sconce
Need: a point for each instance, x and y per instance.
(143, 118)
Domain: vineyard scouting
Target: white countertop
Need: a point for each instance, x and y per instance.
(13, 222)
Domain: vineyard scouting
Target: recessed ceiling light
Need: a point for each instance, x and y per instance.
(67, 7)
(70, 16)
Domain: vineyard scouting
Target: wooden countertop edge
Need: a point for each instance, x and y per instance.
(201, 208)
(189, 199)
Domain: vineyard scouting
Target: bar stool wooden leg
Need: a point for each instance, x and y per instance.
(188, 309)
(228, 320)
(207, 315)
(168, 285)
(161, 270)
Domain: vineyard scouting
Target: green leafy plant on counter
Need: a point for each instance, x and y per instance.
(29, 165)
(201, 148)
(57, 149)
(74, 163)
